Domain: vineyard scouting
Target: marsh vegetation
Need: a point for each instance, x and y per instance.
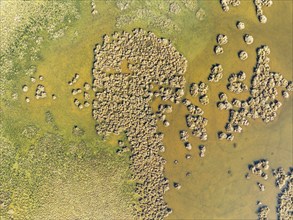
(101, 113)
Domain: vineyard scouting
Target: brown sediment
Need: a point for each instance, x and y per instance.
(122, 103)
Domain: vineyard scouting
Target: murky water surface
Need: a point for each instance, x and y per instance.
(217, 188)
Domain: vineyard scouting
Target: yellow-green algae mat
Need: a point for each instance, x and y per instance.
(48, 173)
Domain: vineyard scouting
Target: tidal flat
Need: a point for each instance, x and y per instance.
(53, 162)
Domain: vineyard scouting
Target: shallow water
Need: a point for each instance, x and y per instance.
(210, 192)
(217, 188)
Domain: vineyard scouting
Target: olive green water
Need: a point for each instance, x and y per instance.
(210, 192)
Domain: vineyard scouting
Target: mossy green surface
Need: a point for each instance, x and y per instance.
(38, 147)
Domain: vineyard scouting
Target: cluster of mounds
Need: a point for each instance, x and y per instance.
(226, 4)
(235, 82)
(221, 40)
(202, 150)
(40, 91)
(77, 91)
(123, 148)
(259, 12)
(258, 6)
(224, 104)
(197, 124)
(93, 8)
(184, 138)
(258, 168)
(74, 79)
(283, 180)
(174, 7)
(285, 197)
(281, 177)
(216, 73)
(262, 212)
(25, 26)
(200, 90)
(195, 121)
(122, 103)
(262, 102)
(161, 113)
(248, 39)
